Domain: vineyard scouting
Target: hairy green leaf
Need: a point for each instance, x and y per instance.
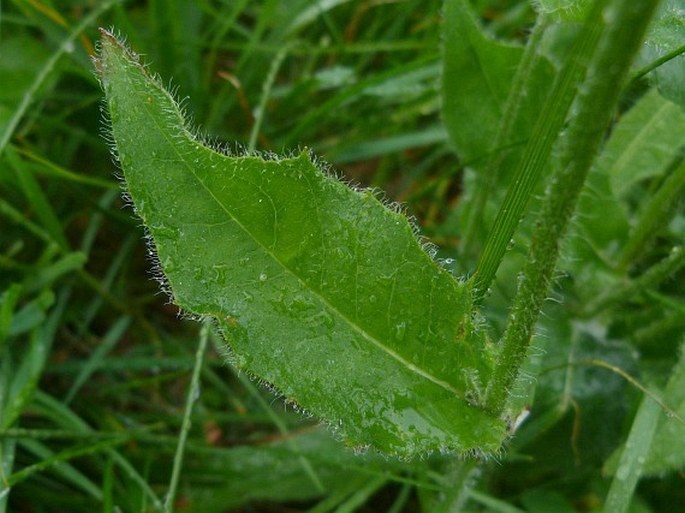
(320, 290)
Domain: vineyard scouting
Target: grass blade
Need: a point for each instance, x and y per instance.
(536, 154)
(31, 93)
(193, 394)
(633, 457)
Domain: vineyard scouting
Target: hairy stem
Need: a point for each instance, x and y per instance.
(626, 22)
(538, 149)
(493, 171)
(461, 478)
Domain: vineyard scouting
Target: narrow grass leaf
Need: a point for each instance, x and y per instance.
(633, 457)
(668, 448)
(97, 358)
(31, 93)
(8, 302)
(381, 84)
(32, 314)
(519, 116)
(536, 154)
(492, 504)
(62, 416)
(311, 13)
(56, 461)
(361, 495)
(108, 487)
(47, 275)
(191, 398)
(23, 380)
(50, 169)
(47, 458)
(320, 290)
(388, 146)
(655, 215)
(565, 10)
(37, 199)
(7, 452)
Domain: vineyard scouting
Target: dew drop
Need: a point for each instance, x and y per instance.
(263, 277)
(327, 319)
(300, 304)
(220, 271)
(400, 331)
(623, 472)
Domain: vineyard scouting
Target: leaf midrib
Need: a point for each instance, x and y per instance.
(407, 364)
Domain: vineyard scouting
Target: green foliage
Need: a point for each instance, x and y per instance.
(320, 290)
(476, 79)
(662, 54)
(568, 10)
(110, 402)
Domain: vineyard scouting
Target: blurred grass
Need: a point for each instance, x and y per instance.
(95, 365)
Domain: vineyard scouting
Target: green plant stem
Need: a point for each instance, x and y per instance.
(461, 479)
(595, 104)
(538, 149)
(651, 278)
(266, 92)
(656, 330)
(655, 215)
(193, 393)
(658, 62)
(529, 61)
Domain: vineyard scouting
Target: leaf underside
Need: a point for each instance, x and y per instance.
(319, 290)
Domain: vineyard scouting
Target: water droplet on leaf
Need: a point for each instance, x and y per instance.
(400, 330)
